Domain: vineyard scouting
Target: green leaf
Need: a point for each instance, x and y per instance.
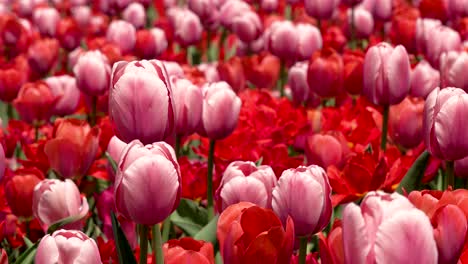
(187, 224)
(28, 242)
(112, 162)
(415, 174)
(191, 210)
(218, 258)
(55, 226)
(124, 251)
(28, 256)
(208, 232)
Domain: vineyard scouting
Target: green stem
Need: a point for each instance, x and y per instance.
(288, 12)
(10, 111)
(302, 250)
(282, 79)
(222, 43)
(157, 244)
(383, 141)
(143, 230)
(166, 229)
(92, 115)
(353, 30)
(177, 146)
(208, 46)
(209, 190)
(449, 174)
(36, 130)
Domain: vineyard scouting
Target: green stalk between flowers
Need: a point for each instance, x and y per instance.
(383, 141)
(209, 188)
(282, 79)
(157, 244)
(302, 250)
(143, 232)
(449, 174)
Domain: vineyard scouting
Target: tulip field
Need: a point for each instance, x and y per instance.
(234, 131)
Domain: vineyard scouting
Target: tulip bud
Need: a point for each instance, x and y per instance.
(55, 200)
(309, 41)
(424, 79)
(247, 26)
(35, 102)
(325, 73)
(188, 250)
(67, 246)
(326, 150)
(12, 77)
(82, 15)
(123, 34)
(381, 9)
(135, 14)
(150, 43)
(69, 33)
(386, 74)
(424, 27)
(73, 148)
(269, 5)
(137, 84)
(43, 55)
(282, 40)
(92, 72)
(297, 80)
(64, 87)
(19, 191)
(320, 9)
(244, 182)
(441, 39)
(232, 72)
(240, 243)
(187, 26)
(453, 67)
(309, 185)
(363, 22)
(46, 20)
(206, 10)
(231, 9)
(443, 126)
(188, 105)
(144, 171)
(221, 108)
(368, 236)
(405, 122)
(174, 69)
(353, 63)
(331, 247)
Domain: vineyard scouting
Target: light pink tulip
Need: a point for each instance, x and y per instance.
(282, 40)
(210, 71)
(269, 5)
(424, 79)
(64, 87)
(148, 182)
(173, 69)
(297, 192)
(441, 39)
(187, 26)
(247, 26)
(46, 20)
(363, 22)
(67, 246)
(115, 148)
(424, 27)
(140, 101)
(92, 71)
(123, 34)
(243, 181)
(188, 105)
(55, 200)
(444, 127)
(221, 108)
(320, 9)
(230, 9)
(135, 14)
(387, 228)
(453, 68)
(206, 10)
(309, 41)
(457, 8)
(82, 15)
(386, 74)
(297, 80)
(380, 9)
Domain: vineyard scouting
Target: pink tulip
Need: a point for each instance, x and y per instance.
(247, 26)
(405, 122)
(326, 150)
(453, 66)
(461, 168)
(92, 72)
(64, 87)
(387, 228)
(424, 28)
(363, 22)
(444, 129)
(380, 9)
(82, 15)
(441, 39)
(55, 200)
(243, 181)
(115, 148)
(297, 191)
(67, 246)
(325, 73)
(174, 69)
(386, 74)
(135, 14)
(206, 10)
(46, 20)
(320, 9)
(188, 105)
(457, 8)
(43, 55)
(148, 182)
(297, 80)
(221, 108)
(140, 101)
(187, 26)
(282, 40)
(230, 9)
(210, 71)
(309, 41)
(424, 79)
(3, 257)
(123, 34)
(269, 5)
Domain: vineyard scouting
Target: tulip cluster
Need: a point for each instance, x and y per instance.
(233, 131)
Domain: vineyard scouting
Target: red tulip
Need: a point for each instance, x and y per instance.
(232, 73)
(19, 191)
(43, 55)
(150, 43)
(251, 234)
(353, 63)
(325, 73)
(73, 148)
(12, 76)
(188, 250)
(325, 150)
(69, 33)
(35, 102)
(406, 122)
(331, 247)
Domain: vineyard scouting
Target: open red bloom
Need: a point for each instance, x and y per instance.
(188, 250)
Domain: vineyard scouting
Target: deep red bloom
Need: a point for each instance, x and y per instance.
(69, 33)
(35, 102)
(261, 70)
(232, 73)
(188, 250)
(13, 75)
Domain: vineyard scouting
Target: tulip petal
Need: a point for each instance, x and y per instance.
(355, 236)
(449, 233)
